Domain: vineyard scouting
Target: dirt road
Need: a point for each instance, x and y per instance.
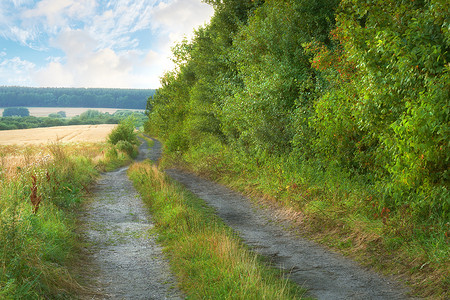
(325, 274)
(124, 259)
(130, 265)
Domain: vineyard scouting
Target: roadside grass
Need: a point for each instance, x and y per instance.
(336, 209)
(149, 141)
(41, 188)
(207, 257)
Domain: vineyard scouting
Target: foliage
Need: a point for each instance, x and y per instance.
(16, 111)
(396, 66)
(74, 97)
(124, 132)
(59, 114)
(90, 117)
(37, 239)
(127, 147)
(345, 91)
(272, 111)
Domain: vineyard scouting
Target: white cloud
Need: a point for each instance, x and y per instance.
(51, 10)
(86, 66)
(16, 71)
(32, 22)
(120, 43)
(75, 42)
(59, 13)
(122, 18)
(54, 75)
(21, 35)
(18, 3)
(180, 17)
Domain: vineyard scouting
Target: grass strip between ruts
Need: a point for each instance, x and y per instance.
(209, 260)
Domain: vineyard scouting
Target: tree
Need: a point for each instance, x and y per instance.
(124, 132)
(391, 112)
(272, 112)
(16, 111)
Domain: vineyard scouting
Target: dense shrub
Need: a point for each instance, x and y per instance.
(125, 131)
(323, 94)
(58, 119)
(386, 109)
(127, 147)
(16, 111)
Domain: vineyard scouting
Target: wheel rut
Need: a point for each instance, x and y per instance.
(325, 274)
(124, 261)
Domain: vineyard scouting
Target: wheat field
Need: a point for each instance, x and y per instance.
(61, 134)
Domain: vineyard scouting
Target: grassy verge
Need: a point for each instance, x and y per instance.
(336, 209)
(207, 257)
(41, 188)
(149, 141)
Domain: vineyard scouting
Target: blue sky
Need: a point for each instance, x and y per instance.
(93, 43)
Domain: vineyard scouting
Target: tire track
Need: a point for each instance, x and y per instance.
(327, 275)
(125, 262)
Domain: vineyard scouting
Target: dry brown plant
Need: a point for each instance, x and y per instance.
(35, 199)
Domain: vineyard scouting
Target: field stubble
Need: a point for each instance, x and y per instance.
(60, 134)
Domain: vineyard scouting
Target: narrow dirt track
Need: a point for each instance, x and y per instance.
(326, 275)
(129, 265)
(124, 261)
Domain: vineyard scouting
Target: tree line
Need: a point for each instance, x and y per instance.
(359, 86)
(74, 97)
(89, 117)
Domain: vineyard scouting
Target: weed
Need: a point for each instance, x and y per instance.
(36, 244)
(35, 199)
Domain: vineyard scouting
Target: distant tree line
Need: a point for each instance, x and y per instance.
(74, 97)
(90, 117)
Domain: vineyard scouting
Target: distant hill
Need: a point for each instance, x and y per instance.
(11, 96)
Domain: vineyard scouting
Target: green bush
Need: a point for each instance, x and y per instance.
(16, 111)
(59, 114)
(124, 132)
(346, 91)
(127, 147)
(111, 153)
(177, 142)
(37, 242)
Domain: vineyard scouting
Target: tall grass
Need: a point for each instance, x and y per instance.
(40, 189)
(207, 257)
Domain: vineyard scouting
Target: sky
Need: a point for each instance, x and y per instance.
(93, 43)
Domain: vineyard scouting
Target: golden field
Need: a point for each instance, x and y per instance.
(60, 134)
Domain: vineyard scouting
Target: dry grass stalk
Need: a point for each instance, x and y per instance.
(35, 199)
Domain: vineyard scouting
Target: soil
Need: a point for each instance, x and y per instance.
(123, 261)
